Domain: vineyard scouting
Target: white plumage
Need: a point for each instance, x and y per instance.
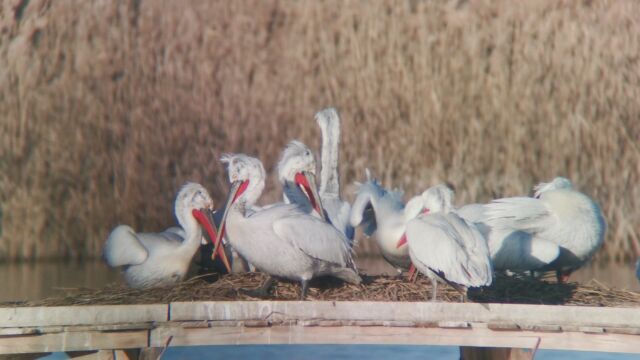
(557, 215)
(157, 259)
(337, 209)
(281, 240)
(445, 247)
(383, 214)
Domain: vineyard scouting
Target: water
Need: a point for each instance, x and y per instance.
(32, 281)
(350, 352)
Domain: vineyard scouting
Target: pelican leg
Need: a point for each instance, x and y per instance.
(263, 290)
(434, 289)
(305, 287)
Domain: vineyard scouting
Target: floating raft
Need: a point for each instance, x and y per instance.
(50, 325)
(98, 327)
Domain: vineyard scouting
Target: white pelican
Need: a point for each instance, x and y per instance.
(296, 172)
(382, 214)
(337, 209)
(445, 247)
(158, 259)
(281, 240)
(511, 249)
(557, 214)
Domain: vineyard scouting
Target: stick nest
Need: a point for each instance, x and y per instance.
(505, 289)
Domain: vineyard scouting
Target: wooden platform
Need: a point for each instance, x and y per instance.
(75, 328)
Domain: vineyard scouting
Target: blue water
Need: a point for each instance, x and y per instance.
(352, 352)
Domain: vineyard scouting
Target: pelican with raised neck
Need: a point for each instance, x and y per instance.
(338, 210)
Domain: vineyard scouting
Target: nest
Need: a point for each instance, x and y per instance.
(213, 287)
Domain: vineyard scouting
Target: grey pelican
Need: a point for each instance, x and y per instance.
(281, 240)
(444, 246)
(158, 259)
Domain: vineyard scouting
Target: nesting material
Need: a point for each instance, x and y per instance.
(516, 290)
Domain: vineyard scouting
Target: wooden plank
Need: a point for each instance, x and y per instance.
(58, 328)
(74, 341)
(420, 312)
(481, 337)
(82, 315)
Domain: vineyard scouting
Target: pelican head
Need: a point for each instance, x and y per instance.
(555, 184)
(296, 158)
(438, 198)
(247, 176)
(329, 121)
(298, 166)
(193, 200)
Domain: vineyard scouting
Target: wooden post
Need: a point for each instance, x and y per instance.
(494, 353)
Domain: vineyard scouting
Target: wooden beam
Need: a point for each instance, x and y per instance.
(426, 312)
(81, 315)
(479, 337)
(74, 341)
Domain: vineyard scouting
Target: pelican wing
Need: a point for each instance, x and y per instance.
(316, 238)
(520, 213)
(451, 247)
(473, 212)
(338, 212)
(519, 250)
(124, 248)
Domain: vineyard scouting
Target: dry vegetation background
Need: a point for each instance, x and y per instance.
(107, 107)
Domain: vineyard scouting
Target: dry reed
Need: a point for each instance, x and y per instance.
(106, 107)
(374, 288)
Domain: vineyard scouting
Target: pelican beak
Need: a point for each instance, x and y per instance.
(237, 188)
(402, 241)
(307, 182)
(202, 218)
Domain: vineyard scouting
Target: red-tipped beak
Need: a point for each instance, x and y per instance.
(402, 241)
(237, 188)
(306, 181)
(209, 228)
(425, 211)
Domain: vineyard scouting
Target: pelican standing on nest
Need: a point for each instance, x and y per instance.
(383, 214)
(337, 209)
(557, 214)
(158, 259)
(445, 247)
(281, 240)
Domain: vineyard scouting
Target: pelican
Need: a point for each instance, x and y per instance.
(158, 259)
(510, 249)
(296, 172)
(281, 240)
(337, 209)
(445, 247)
(383, 214)
(557, 215)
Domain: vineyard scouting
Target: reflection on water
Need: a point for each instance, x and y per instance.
(32, 281)
(38, 280)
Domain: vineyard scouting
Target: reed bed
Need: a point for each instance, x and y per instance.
(516, 290)
(107, 107)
